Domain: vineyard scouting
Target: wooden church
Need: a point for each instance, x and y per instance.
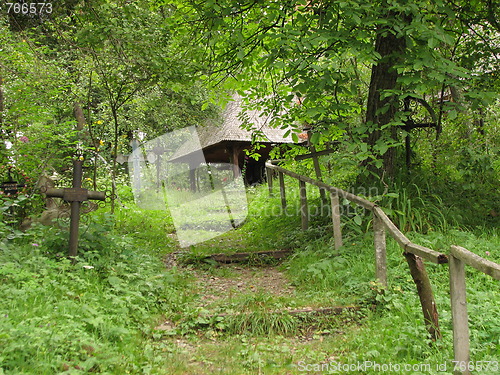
(225, 141)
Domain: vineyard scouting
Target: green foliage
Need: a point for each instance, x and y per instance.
(83, 54)
(89, 316)
(14, 209)
(395, 312)
(309, 64)
(97, 315)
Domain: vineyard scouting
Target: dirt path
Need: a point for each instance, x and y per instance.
(252, 298)
(232, 279)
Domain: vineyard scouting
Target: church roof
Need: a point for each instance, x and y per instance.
(233, 127)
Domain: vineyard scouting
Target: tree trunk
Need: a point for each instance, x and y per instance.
(380, 111)
(114, 112)
(2, 143)
(79, 116)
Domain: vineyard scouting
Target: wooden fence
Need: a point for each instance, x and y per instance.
(414, 254)
(459, 257)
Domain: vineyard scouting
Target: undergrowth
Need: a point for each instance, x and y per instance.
(99, 314)
(91, 316)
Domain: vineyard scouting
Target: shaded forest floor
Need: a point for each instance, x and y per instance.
(240, 322)
(135, 303)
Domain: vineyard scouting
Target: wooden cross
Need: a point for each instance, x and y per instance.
(136, 159)
(315, 154)
(155, 157)
(75, 195)
(409, 124)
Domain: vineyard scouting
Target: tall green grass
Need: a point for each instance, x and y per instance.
(412, 211)
(89, 317)
(97, 316)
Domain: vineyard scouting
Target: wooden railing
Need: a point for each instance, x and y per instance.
(459, 257)
(413, 253)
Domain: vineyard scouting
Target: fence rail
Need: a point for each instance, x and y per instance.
(413, 253)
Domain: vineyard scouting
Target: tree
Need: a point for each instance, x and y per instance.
(123, 58)
(110, 71)
(35, 100)
(277, 51)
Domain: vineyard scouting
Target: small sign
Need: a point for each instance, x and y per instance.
(11, 187)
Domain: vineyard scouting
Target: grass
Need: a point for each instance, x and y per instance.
(92, 316)
(100, 314)
(394, 331)
(255, 234)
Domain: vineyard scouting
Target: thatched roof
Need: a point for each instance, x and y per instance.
(229, 129)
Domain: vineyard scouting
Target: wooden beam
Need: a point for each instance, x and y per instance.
(282, 190)
(235, 152)
(342, 193)
(269, 173)
(336, 310)
(416, 125)
(316, 153)
(401, 239)
(248, 257)
(317, 170)
(392, 228)
(406, 244)
(304, 214)
(486, 266)
(425, 294)
(426, 253)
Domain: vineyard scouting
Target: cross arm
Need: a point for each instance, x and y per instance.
(75, 194)
(313, 154)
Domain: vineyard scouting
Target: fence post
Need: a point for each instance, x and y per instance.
(282, 190)
(380, 250)
(270, 181)
(304, 213)
(459, 314)
(425, 294)
(337, 231)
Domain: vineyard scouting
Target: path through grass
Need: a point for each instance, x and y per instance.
(388, 332)
(121, 310)
(240, 322)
